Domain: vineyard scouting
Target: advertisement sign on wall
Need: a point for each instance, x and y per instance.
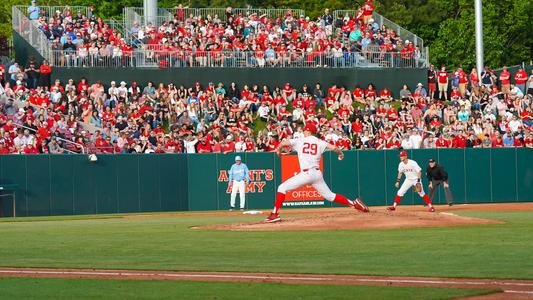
(305, 195)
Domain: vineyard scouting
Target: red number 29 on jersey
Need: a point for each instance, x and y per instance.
(310, 148)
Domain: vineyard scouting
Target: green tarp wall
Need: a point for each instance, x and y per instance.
(71, 185)
(272, 77)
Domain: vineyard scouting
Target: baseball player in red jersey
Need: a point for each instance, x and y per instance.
(413, 175)
(310, 149)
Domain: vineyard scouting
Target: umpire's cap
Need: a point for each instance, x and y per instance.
(237, 158)
(431, 160)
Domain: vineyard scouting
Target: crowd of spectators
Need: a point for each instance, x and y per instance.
(79, 37)
(235, 39)
(125, 117)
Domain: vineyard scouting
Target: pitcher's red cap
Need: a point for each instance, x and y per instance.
(403, 153)
(311, 127)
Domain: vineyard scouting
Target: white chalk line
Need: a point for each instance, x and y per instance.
(265, 277)
(518, 292)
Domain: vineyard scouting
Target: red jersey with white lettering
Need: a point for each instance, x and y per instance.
(520, 77)
(443, 77)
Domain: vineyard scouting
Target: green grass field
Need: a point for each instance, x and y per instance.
(168, 243)
(54, 288)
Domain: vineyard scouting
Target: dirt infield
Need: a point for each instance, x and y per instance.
(348, 220)
(378, 218)
(407, 216)
(511, 289)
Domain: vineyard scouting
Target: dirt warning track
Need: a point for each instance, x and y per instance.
(511, 289)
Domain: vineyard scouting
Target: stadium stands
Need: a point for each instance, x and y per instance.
(220, 38)
(42, 115)
(122, 117)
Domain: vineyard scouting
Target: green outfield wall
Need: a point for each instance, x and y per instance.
(71, 185)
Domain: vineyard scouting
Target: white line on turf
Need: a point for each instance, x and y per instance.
(518, 292)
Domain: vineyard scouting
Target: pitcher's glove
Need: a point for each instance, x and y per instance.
(418, 187)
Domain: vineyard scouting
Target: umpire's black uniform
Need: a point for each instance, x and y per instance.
(436, 175)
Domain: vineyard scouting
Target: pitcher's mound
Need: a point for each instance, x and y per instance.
(349, 219)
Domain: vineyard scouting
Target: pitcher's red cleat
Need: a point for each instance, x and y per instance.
(360, 205)
(273, 218)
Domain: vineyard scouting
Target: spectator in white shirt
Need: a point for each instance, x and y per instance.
(406, 143)
(190, 144)
(415, 139)
(263, 112)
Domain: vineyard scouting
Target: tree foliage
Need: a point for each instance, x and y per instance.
(447, 26)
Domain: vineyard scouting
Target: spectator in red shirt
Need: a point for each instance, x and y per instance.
(520, 79)
(204, 146)
(463, 81)
(455, 95)
(368, 10)
(443, 83)
(288, 93)
(505, 81)
(3, 148)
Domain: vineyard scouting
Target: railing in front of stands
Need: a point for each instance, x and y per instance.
(76, 145)
(28, 30)
(237, 59)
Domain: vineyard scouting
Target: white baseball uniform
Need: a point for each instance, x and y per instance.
(238, 187)
(309, 151)
(410, 170)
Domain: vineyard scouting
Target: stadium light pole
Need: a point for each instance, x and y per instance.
(479, 36)
(150, 12)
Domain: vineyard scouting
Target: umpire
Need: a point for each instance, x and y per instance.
(437, 175)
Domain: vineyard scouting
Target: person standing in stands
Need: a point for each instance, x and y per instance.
(33, 11)
(437, 175)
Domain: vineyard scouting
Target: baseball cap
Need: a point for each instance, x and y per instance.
(310, 127)
(237, 158)
(403, 154)
(431, 160)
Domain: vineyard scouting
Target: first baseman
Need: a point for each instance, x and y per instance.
(238, 178)
(413, 175)
(310, 149)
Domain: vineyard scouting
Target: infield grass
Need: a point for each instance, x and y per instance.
(167, 243)
(56, 288)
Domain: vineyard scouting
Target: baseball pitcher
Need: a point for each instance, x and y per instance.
(413, 175)
(310, 149)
